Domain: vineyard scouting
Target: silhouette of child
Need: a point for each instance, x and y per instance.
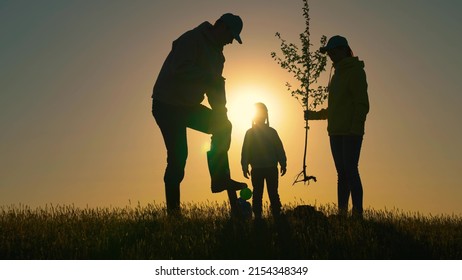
(263, 150)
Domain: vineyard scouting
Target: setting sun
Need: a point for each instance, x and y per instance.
(241, 101)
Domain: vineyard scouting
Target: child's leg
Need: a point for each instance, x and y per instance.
(257, 183)
(272, 182)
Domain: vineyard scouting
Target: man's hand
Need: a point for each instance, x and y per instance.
(283, 171)
(246, 172)
(216, 94)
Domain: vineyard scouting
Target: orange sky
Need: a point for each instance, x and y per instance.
(76, 80)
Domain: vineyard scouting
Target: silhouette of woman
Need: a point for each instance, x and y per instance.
(348, 105)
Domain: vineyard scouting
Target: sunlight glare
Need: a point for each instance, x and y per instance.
(241, 110)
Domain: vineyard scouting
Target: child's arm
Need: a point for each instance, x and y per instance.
(281, 154)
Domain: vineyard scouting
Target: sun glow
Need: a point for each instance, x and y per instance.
(241, 101)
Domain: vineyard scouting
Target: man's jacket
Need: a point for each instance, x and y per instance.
(262, 148)
(193, 68)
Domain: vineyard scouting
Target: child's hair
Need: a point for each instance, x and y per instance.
(261, 110)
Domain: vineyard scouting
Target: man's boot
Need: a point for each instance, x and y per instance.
(172, 195)
(220, 174)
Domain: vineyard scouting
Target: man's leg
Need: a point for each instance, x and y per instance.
(173, 131)
(174, 173)
(204, 119)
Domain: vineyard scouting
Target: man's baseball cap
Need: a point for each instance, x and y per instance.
(234, 24)
(334, 42)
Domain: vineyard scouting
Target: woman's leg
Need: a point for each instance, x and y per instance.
(343, 190)
(352, 151)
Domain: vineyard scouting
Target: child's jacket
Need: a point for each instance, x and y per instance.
(262, 148)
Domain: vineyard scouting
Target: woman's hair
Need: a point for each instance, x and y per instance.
(261, 111)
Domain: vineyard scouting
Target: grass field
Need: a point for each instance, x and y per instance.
(205, 231)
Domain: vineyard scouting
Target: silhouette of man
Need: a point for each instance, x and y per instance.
(193, 68)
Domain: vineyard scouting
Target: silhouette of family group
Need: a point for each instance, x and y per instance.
(194, 68)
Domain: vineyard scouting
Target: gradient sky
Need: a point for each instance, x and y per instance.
(76, 79)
